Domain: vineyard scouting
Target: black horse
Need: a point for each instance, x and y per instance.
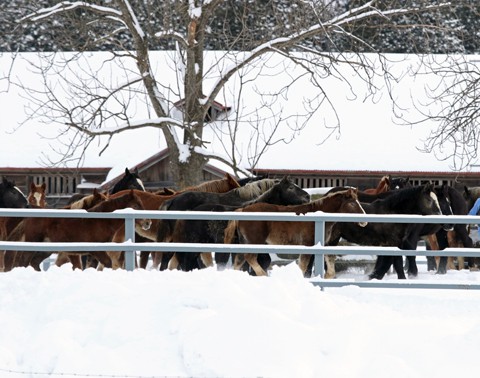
(130, 180)
(399, 182)
(11, 196)
(458, 206)
(284, 192)
(420, 200)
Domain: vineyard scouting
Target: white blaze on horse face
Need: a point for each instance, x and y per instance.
(435, 199)
(19, 191)
(139, 182)
(361, 224)
(38, 198)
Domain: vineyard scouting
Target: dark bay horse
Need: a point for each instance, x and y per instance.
(76, 229)
(11, 196)
(459, 236)
(284, 192)
(471, 194)
(129, 180)
(286, 233)
(421, 200)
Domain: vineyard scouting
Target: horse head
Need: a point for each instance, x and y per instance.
(37, 195)
(290, 193)
(429, 203)
(11, 196)
(352, 204)
(399, 182)
(130, 180)
(443, 195)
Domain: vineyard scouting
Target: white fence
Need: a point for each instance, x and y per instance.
(319, 250)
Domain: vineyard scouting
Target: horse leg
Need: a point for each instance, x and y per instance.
(38, 258)
(238, 261)
(102, 258)
(303, 262)
(2, 261)
(157, 258)
(330, 262)
(207, 259)
(144, 255)
(382, 265)
(442, 243)
(412, 266)
(251, 258)
(76, 260)
(221, 259)
(174, 262)
(432, 244)
(9, 260)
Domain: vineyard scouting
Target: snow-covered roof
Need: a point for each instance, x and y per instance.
(370, 138)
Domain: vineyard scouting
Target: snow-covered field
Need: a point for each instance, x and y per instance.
(227, 324)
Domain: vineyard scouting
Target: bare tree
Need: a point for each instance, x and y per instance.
(452, 104)
(99, 106)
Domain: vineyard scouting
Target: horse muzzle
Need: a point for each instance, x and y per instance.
(447, 227)
(146, 224)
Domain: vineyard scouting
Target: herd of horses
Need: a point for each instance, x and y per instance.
(391, 196)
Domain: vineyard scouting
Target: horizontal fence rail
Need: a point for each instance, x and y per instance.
(130, 247)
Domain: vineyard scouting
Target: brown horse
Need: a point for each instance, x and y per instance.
(77, 229)
(84, 203)
(288, 232)
(382, 187)
(37, 195)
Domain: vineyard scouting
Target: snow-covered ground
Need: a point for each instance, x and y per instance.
(227, 324)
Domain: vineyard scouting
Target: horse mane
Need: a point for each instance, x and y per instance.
(88, 201)
(218, 186)
(254, 189)
(113, 203)
(399, 196)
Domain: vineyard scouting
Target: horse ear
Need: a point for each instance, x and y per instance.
(467, 191)
(44, 186)
(32, 186)
(127, 171)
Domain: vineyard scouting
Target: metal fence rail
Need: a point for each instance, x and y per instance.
(319, 249)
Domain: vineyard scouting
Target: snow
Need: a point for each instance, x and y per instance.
(212, 323)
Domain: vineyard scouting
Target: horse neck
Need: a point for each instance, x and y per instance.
(401, 201)
(328, 204)
(113, 204)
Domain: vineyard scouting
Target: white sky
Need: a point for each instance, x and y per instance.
(370, 138)
(228, 324)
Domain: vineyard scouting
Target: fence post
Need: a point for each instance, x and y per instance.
(130, 235)
(319, 267)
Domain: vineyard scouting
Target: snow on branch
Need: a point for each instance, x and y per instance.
(66, 6)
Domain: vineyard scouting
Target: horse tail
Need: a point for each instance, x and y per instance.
(230, 232)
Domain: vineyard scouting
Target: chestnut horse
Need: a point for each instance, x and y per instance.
(382, 187)
(288, 232)
(37, 194)
(77, 229)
